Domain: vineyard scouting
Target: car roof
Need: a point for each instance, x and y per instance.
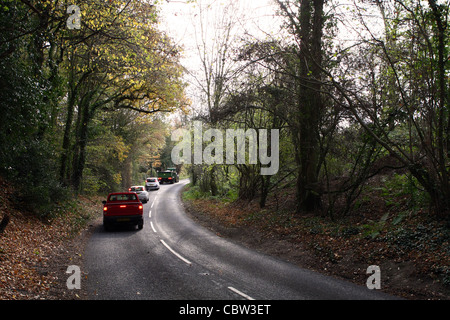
(115, 193)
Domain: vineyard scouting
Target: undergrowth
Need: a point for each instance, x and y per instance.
(394, 224)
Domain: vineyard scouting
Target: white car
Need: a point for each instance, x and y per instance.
(152, 184)
(141, 192)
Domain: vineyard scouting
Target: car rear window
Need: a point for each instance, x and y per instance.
(122, 197)
(151, 180)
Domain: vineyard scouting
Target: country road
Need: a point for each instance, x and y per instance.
(173, 258)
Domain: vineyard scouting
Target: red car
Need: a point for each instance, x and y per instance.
(123, 208)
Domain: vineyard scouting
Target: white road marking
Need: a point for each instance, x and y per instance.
(175, 253)
(241, 293)
(151, 207)
(187, 261)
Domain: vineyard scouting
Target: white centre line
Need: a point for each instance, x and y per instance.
(150, 214)
(175, 253)
(151, 207)
(240, 293)
(151, 224)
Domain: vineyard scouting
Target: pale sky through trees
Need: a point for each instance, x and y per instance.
(198, 25)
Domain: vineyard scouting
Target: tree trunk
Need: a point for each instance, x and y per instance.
(309, 103)
(80, 147)
(4, 223)
(443, 113)
(212, 181)
(63, 174)
(265, 184)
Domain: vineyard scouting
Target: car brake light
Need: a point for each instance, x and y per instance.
(170, 178)
(140, 207)
(105, 208)
(123, 206)
(129, 189)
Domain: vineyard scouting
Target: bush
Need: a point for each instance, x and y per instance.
(192, 192)
(28, 156)
(403, 187)
(32, 171)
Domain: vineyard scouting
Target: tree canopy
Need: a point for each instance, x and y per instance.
(73, 96)
(354, 89)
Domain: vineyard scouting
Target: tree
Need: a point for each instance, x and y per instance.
(215, 78)
(28, 101)
(58, 82)
(117, 60)
(218, 70)
(413, 127)
(306, 26)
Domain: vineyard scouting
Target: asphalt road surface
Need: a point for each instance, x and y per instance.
(173, 258)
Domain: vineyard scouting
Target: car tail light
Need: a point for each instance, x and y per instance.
(105, 208)
(141, 207)
(170, 178)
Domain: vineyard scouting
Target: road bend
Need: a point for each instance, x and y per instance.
(173, 258)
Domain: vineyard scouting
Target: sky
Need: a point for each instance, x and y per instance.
(256, 19)
(182, 21)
